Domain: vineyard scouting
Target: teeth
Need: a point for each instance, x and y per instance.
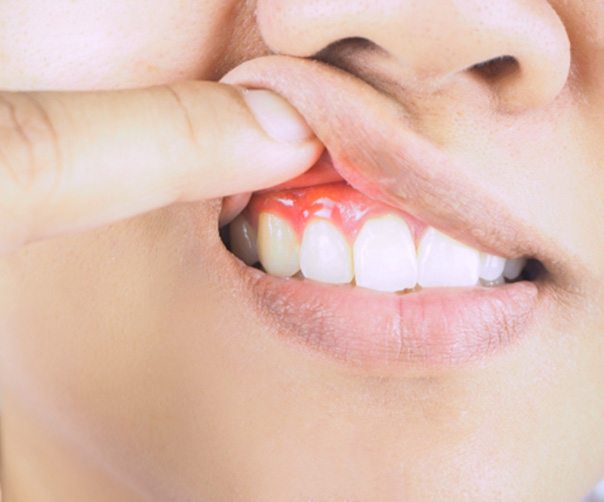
(444, 262)
(278, 247)
(491, 267)
(325, 256)
(243, 240)
(513, 268)
(384, 255)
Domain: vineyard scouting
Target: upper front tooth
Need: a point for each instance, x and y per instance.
(491, 266)
(243, 240)
(513, 268)
(278, 247)
(445, 262)
(325, 255)
(384, 255)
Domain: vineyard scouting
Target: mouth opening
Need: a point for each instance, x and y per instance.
(331, 233)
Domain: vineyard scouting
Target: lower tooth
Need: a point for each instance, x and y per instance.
(325, 255)
(278, 247)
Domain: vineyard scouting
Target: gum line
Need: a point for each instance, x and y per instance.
(337, 202)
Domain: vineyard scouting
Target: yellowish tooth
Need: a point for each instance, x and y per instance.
(243, 240)
(278, 247)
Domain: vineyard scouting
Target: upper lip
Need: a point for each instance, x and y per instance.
(373, 146)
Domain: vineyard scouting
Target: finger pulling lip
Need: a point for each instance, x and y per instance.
(372, 146)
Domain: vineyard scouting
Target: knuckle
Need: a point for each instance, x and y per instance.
(30, 165)
(29, 146)
(206, 114)
(179, 96)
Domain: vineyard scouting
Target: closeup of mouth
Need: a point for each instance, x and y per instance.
(369, 283)
(334, 234)
(384, 253)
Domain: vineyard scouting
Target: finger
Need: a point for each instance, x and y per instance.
(232, 206)
(71, 161)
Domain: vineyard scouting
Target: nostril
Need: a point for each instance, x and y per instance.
(496, 68)
(341, 53)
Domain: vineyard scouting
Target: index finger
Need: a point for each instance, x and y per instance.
(71, 161)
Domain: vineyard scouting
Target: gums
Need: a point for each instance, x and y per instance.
(337, 202)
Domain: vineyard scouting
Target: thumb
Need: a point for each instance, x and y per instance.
(71, 161)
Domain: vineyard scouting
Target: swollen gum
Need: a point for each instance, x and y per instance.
(338, 202)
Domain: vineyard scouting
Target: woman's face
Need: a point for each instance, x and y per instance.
(135, 358)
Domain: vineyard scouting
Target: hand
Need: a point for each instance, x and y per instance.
(73, 161)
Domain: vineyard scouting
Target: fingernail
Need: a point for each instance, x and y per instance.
(278, 118)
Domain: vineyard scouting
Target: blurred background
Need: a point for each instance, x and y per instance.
(597, 495)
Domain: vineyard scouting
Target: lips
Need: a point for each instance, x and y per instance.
(373, 147)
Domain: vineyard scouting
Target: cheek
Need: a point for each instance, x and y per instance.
(93, 325)
(65, 44)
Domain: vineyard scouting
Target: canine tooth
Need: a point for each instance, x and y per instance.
(325, 255)
(278, 247)
(491, 266)
(445, 262)
(513, 268)
(243, 240)
(384, 255)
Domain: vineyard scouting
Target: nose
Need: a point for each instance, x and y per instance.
(435, 42)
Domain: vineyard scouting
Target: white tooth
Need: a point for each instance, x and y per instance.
(513, 268)
(491, 266)
(384, 255)
(445, 262)
(243, 240)
(278, 246)
(325, 256)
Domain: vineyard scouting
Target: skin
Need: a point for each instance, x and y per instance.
(127, 370)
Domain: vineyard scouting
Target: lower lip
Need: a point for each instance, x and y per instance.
(373, 330)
